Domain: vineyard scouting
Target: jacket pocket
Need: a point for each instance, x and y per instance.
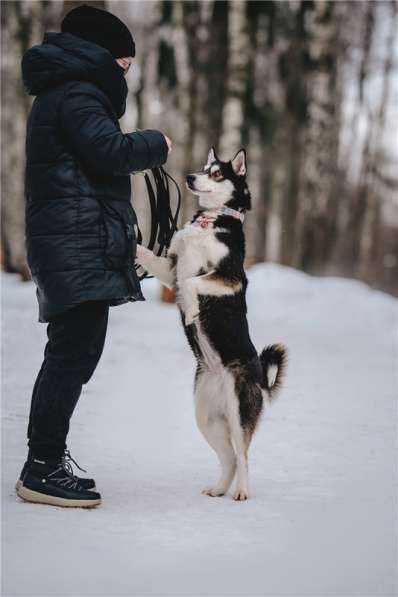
(119, 239)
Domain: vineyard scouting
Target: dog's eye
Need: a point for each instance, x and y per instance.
(216, 174)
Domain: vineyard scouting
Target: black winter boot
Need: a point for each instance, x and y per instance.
(85, 482)
(54, 483)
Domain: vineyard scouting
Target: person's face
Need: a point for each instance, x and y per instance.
(125, 63)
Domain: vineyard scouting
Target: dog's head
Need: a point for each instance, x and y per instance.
(221, 183)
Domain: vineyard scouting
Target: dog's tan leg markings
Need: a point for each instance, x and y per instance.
(215, 429)
(209, 284)
(160, 267)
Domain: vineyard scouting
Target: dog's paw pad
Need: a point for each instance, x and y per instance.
(241, 495)
(213, 492)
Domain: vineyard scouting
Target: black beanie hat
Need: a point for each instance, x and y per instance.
(100, 27)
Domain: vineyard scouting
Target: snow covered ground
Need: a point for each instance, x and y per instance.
(322, 517)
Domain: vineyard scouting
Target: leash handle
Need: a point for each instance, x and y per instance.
(163, 220)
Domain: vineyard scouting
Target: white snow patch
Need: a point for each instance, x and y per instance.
(322, 517)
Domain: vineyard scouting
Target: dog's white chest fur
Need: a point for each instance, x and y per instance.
(197, 249)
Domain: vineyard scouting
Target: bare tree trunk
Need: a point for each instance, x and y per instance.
(238, 54)
(258, 132)
(359, 203)
(216, 70)
(318, 168)
(294, 74)
(188, 20)
(370, 238)
(21, 25)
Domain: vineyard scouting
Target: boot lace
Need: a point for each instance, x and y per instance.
(67, 458)
(70, 480)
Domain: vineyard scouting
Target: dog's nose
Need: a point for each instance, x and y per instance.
(190, 179)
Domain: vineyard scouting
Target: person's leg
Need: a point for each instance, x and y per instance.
(34, 394)
(29, 430)
(75, 343)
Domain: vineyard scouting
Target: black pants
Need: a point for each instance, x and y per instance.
(75, 342)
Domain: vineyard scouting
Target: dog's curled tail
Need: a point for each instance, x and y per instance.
(273, 361)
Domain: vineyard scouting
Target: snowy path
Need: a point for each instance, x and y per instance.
(321, 521)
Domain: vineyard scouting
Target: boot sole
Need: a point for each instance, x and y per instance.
(18, 486)
(28, 495)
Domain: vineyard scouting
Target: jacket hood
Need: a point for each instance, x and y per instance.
(65, 57)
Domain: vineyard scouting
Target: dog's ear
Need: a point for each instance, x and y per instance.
(211, 157)
(239, 163)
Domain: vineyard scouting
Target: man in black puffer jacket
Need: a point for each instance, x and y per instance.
(79, 225)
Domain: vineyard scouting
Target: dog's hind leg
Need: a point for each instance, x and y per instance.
(215, 429)
(217, 434)
(241, 443)
(245, 403)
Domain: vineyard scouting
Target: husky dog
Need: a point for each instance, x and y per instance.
(205, 266)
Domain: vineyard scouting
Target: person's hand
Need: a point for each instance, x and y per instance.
(169, 143)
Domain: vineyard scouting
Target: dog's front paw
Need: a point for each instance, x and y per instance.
(213, 491)
(241, 494)
(142, 254)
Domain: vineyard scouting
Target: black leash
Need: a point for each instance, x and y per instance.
(163, 220)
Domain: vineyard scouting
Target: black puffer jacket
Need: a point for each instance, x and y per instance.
(79, 220)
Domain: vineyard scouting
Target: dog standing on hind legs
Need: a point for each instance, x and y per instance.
(205, 266)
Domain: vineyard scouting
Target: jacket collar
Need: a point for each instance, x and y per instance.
(65, 57)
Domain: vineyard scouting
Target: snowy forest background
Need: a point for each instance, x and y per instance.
(308, 87)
